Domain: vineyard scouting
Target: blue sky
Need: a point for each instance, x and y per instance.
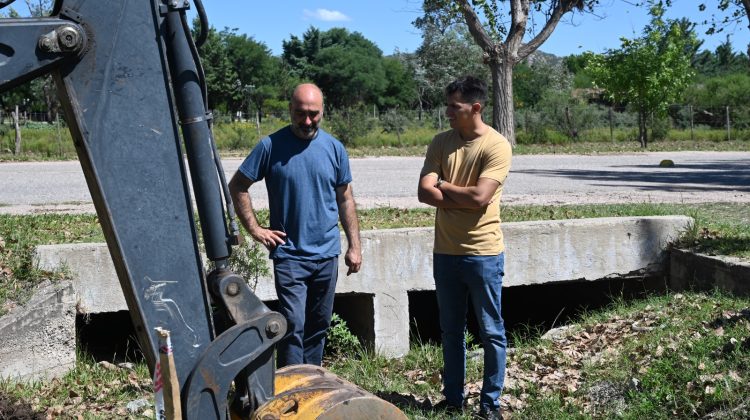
(388, 23)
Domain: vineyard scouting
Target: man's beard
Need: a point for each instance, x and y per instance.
(308, 130)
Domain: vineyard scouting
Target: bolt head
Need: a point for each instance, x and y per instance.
(68, 38)
(273, 328)
(233, 289)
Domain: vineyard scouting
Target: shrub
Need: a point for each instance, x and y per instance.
(339, 340)
(249, 260)
(349, 124)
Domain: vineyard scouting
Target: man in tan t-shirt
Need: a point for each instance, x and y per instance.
(463, 176)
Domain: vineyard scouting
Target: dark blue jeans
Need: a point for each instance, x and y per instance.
(305, 290)
(479, 277)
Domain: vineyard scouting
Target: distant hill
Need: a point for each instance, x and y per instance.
(542, 58)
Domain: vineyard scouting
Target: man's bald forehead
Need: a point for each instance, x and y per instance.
(307, 91)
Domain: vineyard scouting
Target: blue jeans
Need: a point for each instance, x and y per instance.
(305, 290)
(480, 277)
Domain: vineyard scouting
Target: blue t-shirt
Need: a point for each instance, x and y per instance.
(301, 179)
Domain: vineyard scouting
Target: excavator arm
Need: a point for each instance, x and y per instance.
(133, 93)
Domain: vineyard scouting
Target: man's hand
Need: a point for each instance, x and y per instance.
(353, 260)
(268, 238)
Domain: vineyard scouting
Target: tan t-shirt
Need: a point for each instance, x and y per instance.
(469, 231)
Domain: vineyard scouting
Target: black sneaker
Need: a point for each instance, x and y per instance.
(447, 407)
(490, 415)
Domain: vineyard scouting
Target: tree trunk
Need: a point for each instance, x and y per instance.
(18, 131)
(642, 133)
(502, 100)
(50, 98)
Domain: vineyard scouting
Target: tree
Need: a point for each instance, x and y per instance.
(502, 56)
(257, 70)
(443, 56)
(531, 81)
(740, 11)
(347, 66)
(649, 72)
(222, 82)
(400, 90)
(39, 95)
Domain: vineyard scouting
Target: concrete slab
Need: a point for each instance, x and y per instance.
(92, 272)
(688, 270)
(397, 261)
(39, 338)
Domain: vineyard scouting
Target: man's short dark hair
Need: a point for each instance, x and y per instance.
(471, 89)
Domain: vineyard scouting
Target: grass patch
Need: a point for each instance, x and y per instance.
(89, 391)
(674, 356)
(19, 235)
(41, 141)
(683, 355)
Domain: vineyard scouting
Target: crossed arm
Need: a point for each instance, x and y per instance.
(447, 195)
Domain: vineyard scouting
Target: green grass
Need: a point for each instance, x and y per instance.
(684, 355)
(89, 391)
(43, 141)
(673, 356)
(19, 235)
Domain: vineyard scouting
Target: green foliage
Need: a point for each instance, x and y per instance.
(349, 68)
(350, 123)
(717, 92)
(258, 72)
(19, 235)
(443, 57)
(532, 83)
(90, 390)
(722, 61)
(648, 73)
(223, 85)
(660, 127)
(340, 342)
(243, 136)
(401, 88)
(394, 122)
(250, 261)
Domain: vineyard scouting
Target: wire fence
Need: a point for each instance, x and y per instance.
(571, 121)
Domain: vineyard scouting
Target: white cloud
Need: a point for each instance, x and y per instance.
(326, 15)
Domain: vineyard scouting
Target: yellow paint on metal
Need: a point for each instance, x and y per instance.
(310, 392)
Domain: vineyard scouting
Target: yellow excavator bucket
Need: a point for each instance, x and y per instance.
(311, 392)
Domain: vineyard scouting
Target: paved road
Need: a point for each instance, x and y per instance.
(31, 187)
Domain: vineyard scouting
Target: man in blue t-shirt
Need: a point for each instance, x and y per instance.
(309, 188)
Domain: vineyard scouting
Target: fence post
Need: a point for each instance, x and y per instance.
(611, 126)
(257, 122)
(729, 136)
(690, 108)
(59, 136)
(18, 132)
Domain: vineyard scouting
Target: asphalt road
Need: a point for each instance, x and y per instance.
(32, 187)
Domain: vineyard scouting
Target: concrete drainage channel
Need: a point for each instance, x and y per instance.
(553, 269)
